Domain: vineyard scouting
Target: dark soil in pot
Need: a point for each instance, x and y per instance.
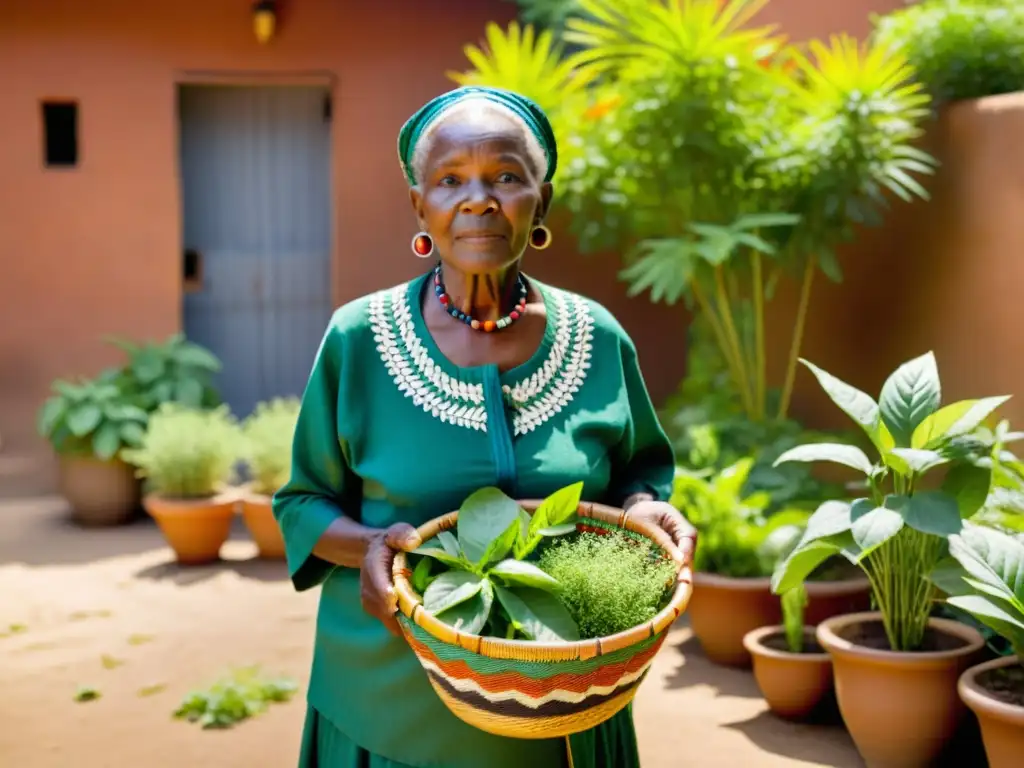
(1005, 684)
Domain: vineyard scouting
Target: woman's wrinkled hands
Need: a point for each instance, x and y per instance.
(663, 515)
(375, 583)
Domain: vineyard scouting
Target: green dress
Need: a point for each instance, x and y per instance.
(390, 431)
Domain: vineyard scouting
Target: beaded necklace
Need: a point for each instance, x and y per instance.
(477, 325)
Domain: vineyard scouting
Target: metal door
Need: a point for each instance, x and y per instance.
(255, 173)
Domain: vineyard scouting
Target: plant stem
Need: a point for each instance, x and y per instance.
(759, 351)
(733, 339)
(721, 339)
(798, 337)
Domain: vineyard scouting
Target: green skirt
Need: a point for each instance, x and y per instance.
(611, 745)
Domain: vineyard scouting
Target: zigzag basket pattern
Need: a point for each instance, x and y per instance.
(530, 690)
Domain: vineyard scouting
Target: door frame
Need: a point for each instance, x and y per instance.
(256, 79)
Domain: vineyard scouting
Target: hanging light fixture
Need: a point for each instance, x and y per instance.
(264, 19)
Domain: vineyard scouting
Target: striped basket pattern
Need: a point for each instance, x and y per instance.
(531, 690)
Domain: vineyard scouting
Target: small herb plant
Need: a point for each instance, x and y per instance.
(187, 453)
(91, 418)
(175, 370)
(794, 602)
(736, 538)
(242, 694)
(898, 533)
(268, 435)
(984, 577)
(488, 583)
(608, 582)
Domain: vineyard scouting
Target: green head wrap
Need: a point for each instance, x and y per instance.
(531, 114)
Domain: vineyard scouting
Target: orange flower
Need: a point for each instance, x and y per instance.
(602, 107)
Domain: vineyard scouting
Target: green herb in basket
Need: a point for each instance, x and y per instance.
(478, 580)
(608, 582)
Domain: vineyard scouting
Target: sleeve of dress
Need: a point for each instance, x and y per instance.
(320, 475)
(644, 461)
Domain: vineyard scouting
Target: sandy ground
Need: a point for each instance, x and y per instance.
(85, 594)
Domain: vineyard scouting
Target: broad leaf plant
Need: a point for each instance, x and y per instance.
(900, 530)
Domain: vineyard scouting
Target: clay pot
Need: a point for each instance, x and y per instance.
(100, 493)
(722, 610)
(195, 529)
(901, 708)
(1002, 723)
(794, 685)
(259, 519)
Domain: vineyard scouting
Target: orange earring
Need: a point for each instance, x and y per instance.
(540, 237)
(423, 245)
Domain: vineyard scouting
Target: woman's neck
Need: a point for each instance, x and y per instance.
(481, 295)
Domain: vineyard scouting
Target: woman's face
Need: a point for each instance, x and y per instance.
(478, 195)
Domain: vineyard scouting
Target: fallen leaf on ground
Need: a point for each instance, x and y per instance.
(85, 693)
(109, 662)
(151, 690)
(140, 639)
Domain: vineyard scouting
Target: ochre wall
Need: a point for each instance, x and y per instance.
(96, 250)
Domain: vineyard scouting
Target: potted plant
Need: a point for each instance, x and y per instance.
(175, 370)
(738, 548)
(984, 577)
(187, 458)
(792, 670)
(89, 423)
(268, 434)
(898, 662)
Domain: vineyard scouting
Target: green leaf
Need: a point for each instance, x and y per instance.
(421, 575)
(84, 419)
(556, 508)
(470, 616)
(829, 519)
(873, 526)
(189, 392)
(538, 614)
(558, 530)
(484, 516)
(438, 553)
(521, 574)
(794, 570)
(910, 395)
(954, 420)
(106, 441)
(991, 614)
(49, 415)
(502, 545)
(949, 576)
(931, 512)
(993, 558)
(191, 355)
(449, 543)
(848, 455)
(451, 588)
(521, 548)
(969, 484)
(916, 461)
(856, 404)
(132, 433)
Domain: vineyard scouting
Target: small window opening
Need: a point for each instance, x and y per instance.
(60, 132)
(193, 270)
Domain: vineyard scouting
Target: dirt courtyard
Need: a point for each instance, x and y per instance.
(78, 596)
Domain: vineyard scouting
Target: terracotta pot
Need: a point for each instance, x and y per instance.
(794, 685)
(195, 529)
(259, 519)
(901, 708)
(100, 493)
(723, 610)
(1002, 723)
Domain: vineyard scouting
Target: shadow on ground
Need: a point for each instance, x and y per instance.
(187, 575)
(807, 742)
(39, 531)
(696, 669)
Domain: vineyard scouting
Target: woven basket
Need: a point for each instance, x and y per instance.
(532, 690)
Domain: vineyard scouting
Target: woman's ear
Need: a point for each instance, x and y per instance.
(546, 193)
(416, 198)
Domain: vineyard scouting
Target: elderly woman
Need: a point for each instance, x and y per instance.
(471, 375)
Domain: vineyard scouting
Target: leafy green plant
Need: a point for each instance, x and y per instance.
(984, 576)
(268, 434)
(794, 602)
(187, 453)
(608, 582)
(898, 533)
(242, 694)
(91, 418)
(735, 537)
(175, 370)
(548, 14)
(721, 160)
(488, 582)
(960, 49)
